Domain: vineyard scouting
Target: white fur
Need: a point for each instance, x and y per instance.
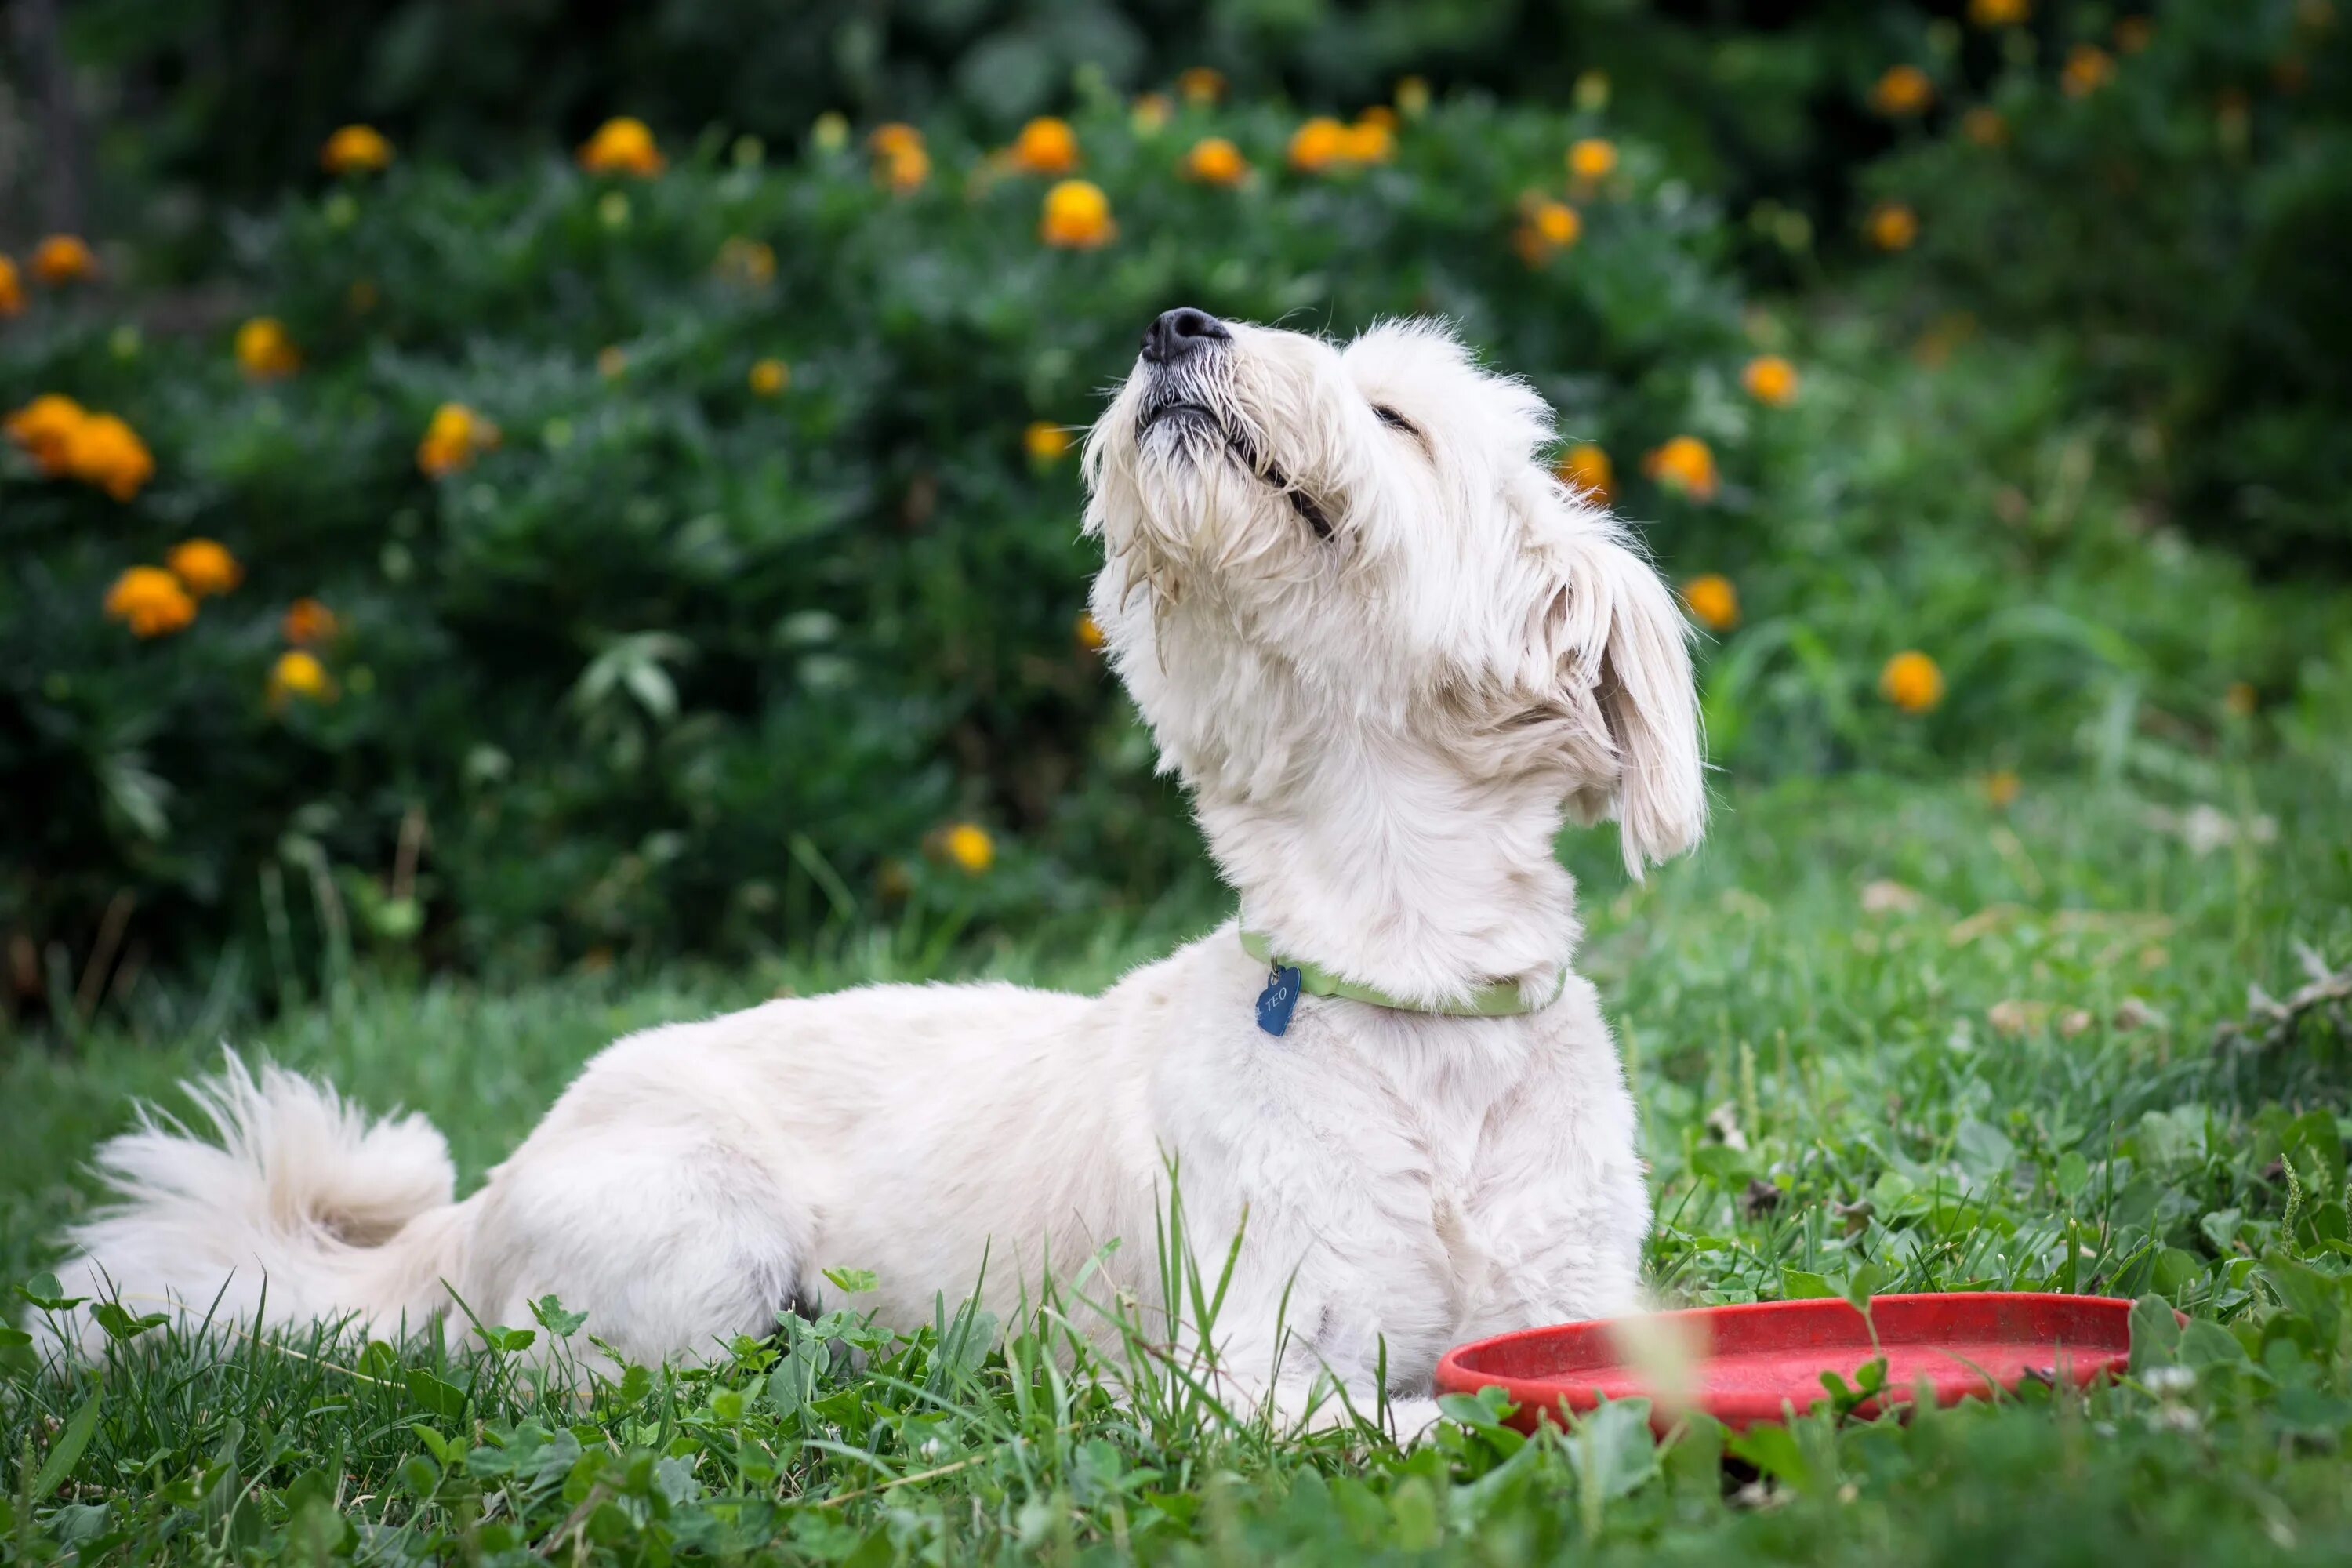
(1382, 731)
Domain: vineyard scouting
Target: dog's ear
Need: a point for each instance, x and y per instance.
(1614, 646)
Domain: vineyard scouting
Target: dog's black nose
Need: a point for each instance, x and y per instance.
(1181, 331)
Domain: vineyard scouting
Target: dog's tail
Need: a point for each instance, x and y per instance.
(297, 1207)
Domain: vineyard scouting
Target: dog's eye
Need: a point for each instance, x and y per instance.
(1394, 420)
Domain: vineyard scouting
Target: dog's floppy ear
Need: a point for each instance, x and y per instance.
(1615, 645)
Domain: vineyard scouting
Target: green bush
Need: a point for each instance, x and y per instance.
(679, 664)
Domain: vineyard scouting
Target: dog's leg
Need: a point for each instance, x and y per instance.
(673, 1241)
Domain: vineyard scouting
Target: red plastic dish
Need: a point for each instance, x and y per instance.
(1757, 1362)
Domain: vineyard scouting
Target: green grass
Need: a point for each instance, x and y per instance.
(1883, 1034)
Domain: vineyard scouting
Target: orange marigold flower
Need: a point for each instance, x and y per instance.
(1319, 144)
(1413, 96)
(205, 566)
(1984, 126)
(150, 601)
(1592, 159)
(2134, 34)
(298, 673)
(1201, 85)
(306, 623)
(967, 844)
(1998, 13)
(742, 260)
(1216, 162)
(902, 166)
(63, 259)
(102, 450)
(1587, 467)
(44, 427)
(265, 350)
(1089, 634)
(1045, 442)
(1892, 225)
(1368, 141)
(894, 136)
(1077, 217)
(2086, 71)
(1912, 681)
(356, 149)
(455, 438)
(769, 377)
(1903, 89)
(1714, 601)
(622, 145)
(1770, 379)
(1546, 227)
(12, 287)
(1046, 146)
(1684, 464)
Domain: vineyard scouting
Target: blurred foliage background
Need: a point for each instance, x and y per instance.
(508, 486)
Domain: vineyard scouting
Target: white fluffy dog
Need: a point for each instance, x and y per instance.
(1388, 652)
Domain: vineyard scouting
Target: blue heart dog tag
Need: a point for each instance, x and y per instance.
(1277, 1001)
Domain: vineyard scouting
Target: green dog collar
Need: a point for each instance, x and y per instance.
(1500, 1000)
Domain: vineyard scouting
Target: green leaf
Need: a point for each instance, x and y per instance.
(2155, 1335)
(853, 1281)
(121, 1325)
(1860, 1285)
(44, 1291)
(551, 1316)
(439, 1397)
(505, 1340)
(1803, 1285)
(66, 1452)
(2070, 1175)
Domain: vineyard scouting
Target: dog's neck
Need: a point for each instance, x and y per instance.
(1391, 869)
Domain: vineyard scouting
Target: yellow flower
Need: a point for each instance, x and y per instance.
(150, 601)
(1592, 159)
(205, 566)
(769, 377)
(354, 148)
(1546, 227)
(1046, 146)
(622, 145)
(1088, 632)
(749, 261)
(2088, 69)
(455, 438)
(1911, 681)
(265, 350)
(893, 136)
(1685, 465)
(1413, 96)
(1045, 442)
(308, 623)
(1714, 601)
(2134, 34)
(1216, 162)
(1770, 379)
(2000, 787)
(102, 450)
(830, 130)
(1368, 141)
(12, 289)
(1378, 114)
(967, 844)
(1998, 13)
(63, 259)
(298, 673)
(44, 429)
(1984, 126)
(1892, 225)
(1201, 85)
(1149, 114)
(1077, 217)
(1587, 467)
(1903, 89)
(1317, 144)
